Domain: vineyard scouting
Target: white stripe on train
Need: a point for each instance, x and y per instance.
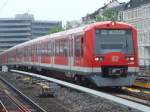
(75, 68)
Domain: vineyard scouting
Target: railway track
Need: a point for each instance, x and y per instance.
(130, 93)
(121, 99)
(10, 103)
(9, 100)
(2, 107)
(143, 79)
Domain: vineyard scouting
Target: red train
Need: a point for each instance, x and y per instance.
(104, 53)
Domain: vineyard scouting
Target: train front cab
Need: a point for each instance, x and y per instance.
(115, 55)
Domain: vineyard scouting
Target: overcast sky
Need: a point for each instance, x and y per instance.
(62, 10)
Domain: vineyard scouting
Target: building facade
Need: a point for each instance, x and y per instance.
(13, 32)
(22, 28)
(137, 13)
(113, 5)
(40, 28)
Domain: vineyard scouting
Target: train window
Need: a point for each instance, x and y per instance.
(30, 53)
(82, 46)
(31, 49)
(49, 48)
(52, 48)
(61, 45)
(70, 48)
(45, 49)
(113, 40)
(77, 46)
(56, 48)
(27, 54)
(27, 51)
(24, 52)
(65, 48)
(39, 49)
(111, 32)
(35, 49)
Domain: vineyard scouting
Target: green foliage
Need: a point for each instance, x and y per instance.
(99, 18)
(68, 25)
(72, 24)
(55, 30)
(108, 15)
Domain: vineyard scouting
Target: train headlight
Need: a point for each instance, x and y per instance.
(101, 58)
(113, 23)
(96, 59)
(127, 58)
(131, 58)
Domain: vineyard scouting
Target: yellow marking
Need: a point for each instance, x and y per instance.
(133, 90)
(146, 92)
(27, 78)
(142, 84)
(136, 90)
(43, 85)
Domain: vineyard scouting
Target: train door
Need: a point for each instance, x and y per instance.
(78, 50)
(71, 52)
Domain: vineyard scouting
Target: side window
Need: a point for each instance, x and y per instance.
(82, 46)
(45, 49)
(25, 51)
(61, 44)
(65, 47)
(32, 48)
(35, 49)
(56, 48)
(77, 46)
(39, 49)
(42, 49)
(52, 48)
(49, 45)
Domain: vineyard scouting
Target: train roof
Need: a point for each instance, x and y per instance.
(67, 32)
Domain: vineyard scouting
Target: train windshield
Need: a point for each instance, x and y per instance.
(113, 41)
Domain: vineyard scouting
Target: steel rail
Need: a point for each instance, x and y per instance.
(19, 105)
(27, 99)
(5, 110)
(122, 101)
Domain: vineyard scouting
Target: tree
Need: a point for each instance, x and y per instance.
(68, 25)
(111, 15)
(72, 24)
(108, 15)
(99, 18)
(55, 29)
